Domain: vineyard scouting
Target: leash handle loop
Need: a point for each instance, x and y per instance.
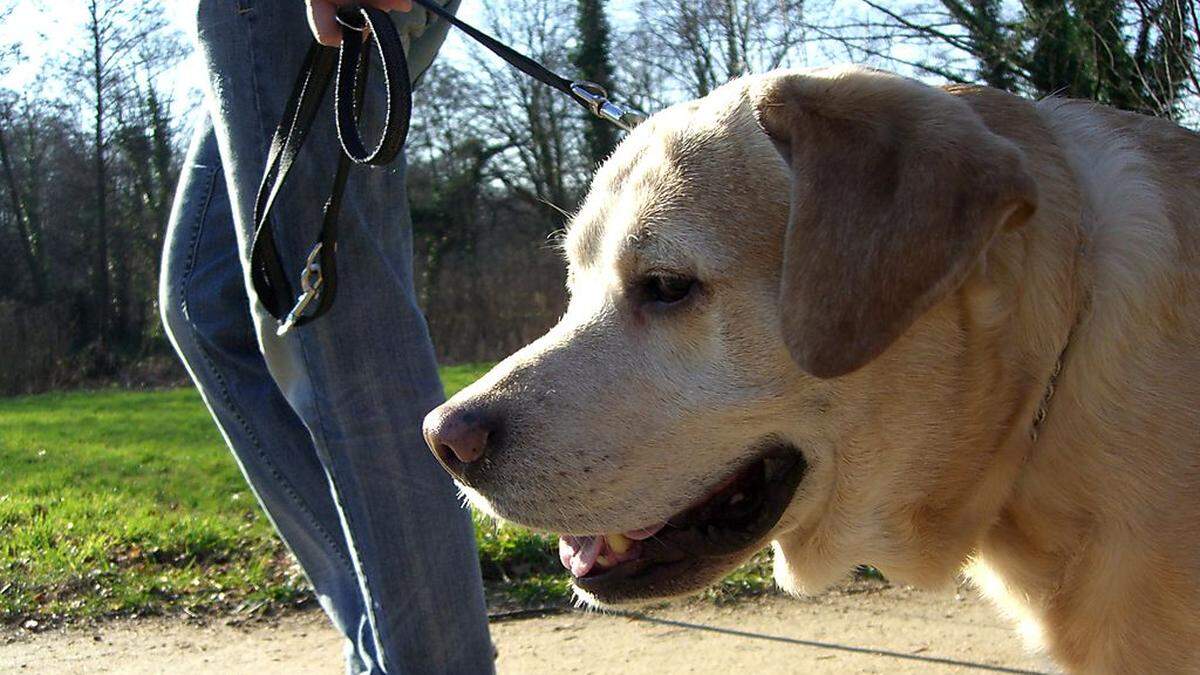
(349, 64)
(361, 25)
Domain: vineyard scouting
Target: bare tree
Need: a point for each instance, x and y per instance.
(23, 219)
(697, 46)
(115, 31)
(88, 164)
(538, 127)
(447, 160)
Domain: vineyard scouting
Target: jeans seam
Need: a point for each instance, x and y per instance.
(194, 244)
(185, 310)
(348, 535)
(351, 542)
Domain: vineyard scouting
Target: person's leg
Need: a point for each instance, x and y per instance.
(205, 309)
(206, 313)
(363, 376)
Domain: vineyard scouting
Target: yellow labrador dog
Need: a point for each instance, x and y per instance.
(867, 320)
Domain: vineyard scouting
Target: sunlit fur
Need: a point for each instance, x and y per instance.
(921, 461)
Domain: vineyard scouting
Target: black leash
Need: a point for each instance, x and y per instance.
(348, 65)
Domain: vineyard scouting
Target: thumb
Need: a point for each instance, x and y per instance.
(321, 20)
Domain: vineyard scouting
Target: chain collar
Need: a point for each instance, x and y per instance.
(1040, 416)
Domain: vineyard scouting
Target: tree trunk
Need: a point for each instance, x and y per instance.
(734, 66)
(21, 214)
(100, 289)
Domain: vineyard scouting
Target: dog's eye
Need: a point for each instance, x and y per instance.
(667, 289)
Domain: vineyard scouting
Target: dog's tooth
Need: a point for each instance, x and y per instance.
(618, 542)
(736, 498)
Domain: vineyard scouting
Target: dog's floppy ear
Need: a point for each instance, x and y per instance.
(897, 188)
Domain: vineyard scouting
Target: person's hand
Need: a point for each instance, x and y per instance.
(327, 30)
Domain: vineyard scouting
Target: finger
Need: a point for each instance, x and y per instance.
(324, 26)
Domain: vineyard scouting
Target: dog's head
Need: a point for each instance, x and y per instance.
(765, 342)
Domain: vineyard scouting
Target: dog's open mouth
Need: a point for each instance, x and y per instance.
(684, 553)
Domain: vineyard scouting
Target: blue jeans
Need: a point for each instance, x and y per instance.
(326, 421)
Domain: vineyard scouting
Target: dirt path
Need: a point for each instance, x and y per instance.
(866, 630)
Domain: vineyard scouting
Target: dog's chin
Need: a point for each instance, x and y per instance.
(691, 550)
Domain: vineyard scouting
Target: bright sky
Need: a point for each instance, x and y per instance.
(49, 27)
(45, 28)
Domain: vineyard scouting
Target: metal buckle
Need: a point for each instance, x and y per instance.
(597, 101)
(311, 282)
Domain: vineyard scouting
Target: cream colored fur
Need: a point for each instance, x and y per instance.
(921, 458)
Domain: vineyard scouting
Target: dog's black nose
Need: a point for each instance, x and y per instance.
(458, 437)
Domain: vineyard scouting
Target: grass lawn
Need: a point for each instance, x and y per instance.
(118, 502)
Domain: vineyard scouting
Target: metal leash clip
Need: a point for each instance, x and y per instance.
(311, 282)
(597, 101)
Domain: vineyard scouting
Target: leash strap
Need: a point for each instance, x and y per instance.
(590, 95)
(349, 65)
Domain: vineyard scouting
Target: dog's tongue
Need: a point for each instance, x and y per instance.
(581, 554)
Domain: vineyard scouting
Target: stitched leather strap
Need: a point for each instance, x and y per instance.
(351, 62)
